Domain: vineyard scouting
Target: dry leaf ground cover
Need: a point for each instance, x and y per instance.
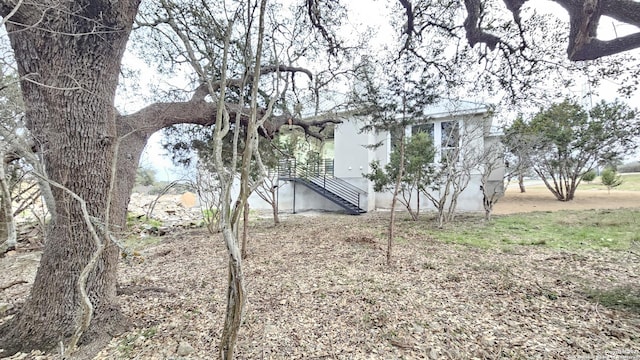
(318, 288)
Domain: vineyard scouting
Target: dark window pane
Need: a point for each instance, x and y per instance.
(424, 128)
(450, 134)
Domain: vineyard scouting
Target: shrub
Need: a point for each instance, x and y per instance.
(589, 176)
(610, 179)
(145, 176)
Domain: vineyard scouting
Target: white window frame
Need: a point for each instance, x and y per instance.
(437, 137)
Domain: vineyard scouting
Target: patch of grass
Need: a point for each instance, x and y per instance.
(137, 220)
(551, 295)
(126, 345)
(589, 229)
(209, 214)
(135, 243)
(630, 182)
(398, 239)
(150, 332)
(136, 223)
(625, 298)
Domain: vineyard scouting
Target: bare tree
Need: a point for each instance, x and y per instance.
(268, 191)
(492, 175)
(209, 192)
(461, 153)
(68, 58)
(519, 145)
(394, 100)
(242, 159)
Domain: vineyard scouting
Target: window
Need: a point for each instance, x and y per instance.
(444, 134)
(450, 138)
(424, 128)
(396, 135)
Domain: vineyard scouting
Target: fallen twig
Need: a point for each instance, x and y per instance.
(14, 283)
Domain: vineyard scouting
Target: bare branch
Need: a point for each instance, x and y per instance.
(595, 48)
(584, 19)
(86, 307)
(203, 90)
(317, 21)
(13, 11)
(472, 25)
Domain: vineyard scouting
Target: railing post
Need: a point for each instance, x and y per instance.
(295, 167)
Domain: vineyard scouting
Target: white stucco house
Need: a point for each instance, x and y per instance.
(338, 184)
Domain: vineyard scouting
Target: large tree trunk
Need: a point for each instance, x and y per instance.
(68, 55)
(69, 85)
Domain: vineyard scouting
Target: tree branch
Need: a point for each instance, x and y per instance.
(307, 124)
(626, 11)
(597, 48)
(408, 8)
(11, 13)
(11, 8)
(584, 22)
(584, 19)
(317, 21)
(475, 34)
(160, 115)
(203, 90)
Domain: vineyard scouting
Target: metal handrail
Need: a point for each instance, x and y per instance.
(321, 175)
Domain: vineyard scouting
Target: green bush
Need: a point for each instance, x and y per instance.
(589, 176)
(610, 179)
(145, 176)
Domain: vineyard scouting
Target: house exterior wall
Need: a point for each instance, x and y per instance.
(472, 129)
(469, 200)
(353, 158)
(350, 145)
(305, 199)
(493, 143)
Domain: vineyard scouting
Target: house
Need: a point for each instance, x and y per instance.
(451, 124)
(462, 128)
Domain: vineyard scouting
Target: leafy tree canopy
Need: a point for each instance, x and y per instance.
(564, 141)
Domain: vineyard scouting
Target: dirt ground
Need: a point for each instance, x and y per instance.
(318, 288)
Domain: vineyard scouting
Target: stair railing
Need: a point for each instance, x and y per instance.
(321, 173)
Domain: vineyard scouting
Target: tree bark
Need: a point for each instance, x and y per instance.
(274, 206)
(394, 200)
(69, 57)
(523, 189)
(68, 85)
(245, 230)
(8, 235)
